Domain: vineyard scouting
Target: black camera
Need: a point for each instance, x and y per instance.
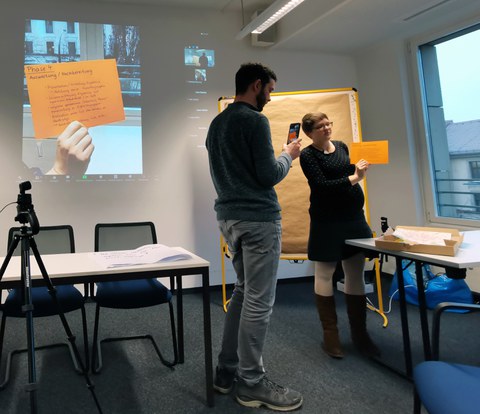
(384, 224)
(25, 212)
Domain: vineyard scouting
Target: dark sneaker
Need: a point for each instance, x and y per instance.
(268, 394)
(223, 380)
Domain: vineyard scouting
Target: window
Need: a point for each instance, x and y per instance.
(450, 86)
(50, 48)
(70, 27)
(28, 26)
(48, 26)
(72, 49)
(475, 169)
(28, 46)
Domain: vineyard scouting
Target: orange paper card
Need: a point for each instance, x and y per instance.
(87, 91)
(375, 152)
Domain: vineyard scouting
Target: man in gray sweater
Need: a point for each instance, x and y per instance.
(244, 171)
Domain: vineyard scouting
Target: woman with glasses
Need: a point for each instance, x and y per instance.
(336, 214)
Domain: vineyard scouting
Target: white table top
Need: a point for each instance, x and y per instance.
(468, 255)
(84, 264)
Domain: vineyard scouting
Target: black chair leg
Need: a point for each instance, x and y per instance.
(86, 345)
(92, 290)
(96, 352)
(417, 404)
(96, 363)
(174, 341)
(174, 333)
(86, 287)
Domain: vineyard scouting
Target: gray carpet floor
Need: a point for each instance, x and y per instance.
(133, 381)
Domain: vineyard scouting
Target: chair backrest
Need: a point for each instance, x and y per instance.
(49, 240)
(124, 236)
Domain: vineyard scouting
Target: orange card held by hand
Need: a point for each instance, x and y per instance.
(87, 91)
(375, 152)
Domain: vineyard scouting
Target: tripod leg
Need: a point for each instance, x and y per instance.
(27, 308)
(65, 324)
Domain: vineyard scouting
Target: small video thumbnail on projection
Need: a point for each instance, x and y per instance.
(200, 60)
(82, 75)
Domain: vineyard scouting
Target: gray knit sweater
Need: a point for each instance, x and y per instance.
(243, 165)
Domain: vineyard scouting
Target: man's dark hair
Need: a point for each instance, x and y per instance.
(249, 73)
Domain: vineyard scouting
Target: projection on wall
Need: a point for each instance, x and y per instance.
(199, 61)
(81, 74)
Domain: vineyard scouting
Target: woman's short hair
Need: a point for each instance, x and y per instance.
(309, 120)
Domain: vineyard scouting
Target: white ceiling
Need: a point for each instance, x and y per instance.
(339, 26)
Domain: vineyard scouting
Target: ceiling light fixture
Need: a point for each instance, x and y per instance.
(270, 16)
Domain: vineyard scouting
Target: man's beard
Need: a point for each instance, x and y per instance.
(261, 100)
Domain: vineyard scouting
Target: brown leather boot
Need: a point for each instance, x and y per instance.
(357, 315)
(328, 316)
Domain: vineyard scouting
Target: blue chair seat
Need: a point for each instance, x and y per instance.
(132, 294)
(448, 388)
(68, 296)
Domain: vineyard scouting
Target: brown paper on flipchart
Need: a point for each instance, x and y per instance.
(293, 192)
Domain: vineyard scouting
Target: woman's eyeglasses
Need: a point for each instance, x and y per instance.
(325, 125)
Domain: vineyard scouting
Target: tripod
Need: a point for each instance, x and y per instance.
(26, 215)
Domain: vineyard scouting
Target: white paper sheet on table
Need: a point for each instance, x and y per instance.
(150, 253)
(422, 237)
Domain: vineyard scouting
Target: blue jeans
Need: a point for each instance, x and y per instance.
(255, 251)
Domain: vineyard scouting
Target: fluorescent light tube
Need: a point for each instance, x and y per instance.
(270, 16)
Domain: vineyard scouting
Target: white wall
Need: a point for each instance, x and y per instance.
(385, 111)
(180, 202)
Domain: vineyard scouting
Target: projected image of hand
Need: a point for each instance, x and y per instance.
(74, 150)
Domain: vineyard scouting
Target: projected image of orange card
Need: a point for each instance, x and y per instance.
(87, 91)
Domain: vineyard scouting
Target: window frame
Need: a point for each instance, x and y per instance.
(421, 121)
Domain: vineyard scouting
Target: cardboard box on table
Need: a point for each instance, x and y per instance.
(389, 242)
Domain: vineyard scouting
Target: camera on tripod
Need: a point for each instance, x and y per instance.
(25, 212)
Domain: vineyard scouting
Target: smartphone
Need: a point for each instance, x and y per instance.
(293, 132)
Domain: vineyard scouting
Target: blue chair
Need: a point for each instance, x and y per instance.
(129, 294)
(49, 240)
(443, 387)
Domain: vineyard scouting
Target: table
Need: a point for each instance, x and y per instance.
(78, 268)
(468, 256)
